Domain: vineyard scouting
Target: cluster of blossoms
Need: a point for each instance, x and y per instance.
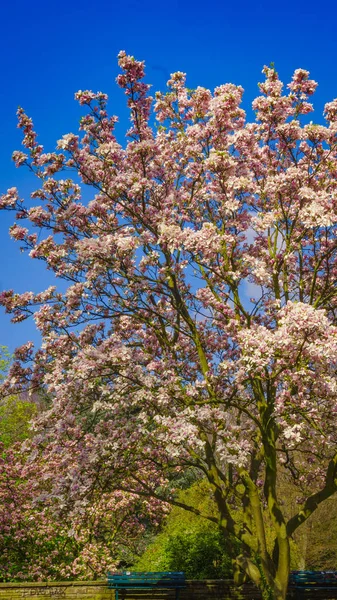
(155, 361)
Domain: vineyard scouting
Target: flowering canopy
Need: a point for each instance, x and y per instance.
(155, 359)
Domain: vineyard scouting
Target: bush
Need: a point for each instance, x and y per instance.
(200, 555)
(190, 544)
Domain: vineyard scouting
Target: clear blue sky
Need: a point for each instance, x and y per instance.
(49, 50)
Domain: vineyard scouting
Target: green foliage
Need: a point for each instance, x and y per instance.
(188, 543)
(202, 555)
(15, 417)
(15, 413)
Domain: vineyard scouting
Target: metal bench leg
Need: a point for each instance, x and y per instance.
(177, 593)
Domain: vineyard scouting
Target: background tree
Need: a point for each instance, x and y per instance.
(318, 545)
(15, 412)
(15, 417)
(41, 536)
(155, 360)
(44, 538)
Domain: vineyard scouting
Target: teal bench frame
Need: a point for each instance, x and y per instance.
(165, 580)
(302, 582)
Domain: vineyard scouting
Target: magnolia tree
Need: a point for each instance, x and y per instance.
(156, 361)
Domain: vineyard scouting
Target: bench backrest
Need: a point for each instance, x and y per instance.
(313, 578)
(147, 578)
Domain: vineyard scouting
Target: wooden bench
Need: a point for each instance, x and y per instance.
(313, 584)
(166, 580)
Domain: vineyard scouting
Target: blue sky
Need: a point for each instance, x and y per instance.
(49, 50)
